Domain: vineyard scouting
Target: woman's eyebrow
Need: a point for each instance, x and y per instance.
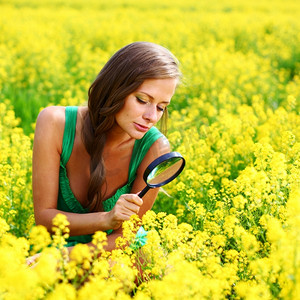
(152, 98)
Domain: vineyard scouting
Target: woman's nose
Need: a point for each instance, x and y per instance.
(150, 114)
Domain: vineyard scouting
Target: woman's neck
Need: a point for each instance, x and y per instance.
(117, 139)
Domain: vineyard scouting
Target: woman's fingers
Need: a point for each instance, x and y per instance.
(126, 209)
(133, 198)
(130, 202)
(126, 206)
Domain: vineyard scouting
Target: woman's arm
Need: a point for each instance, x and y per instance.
(47, 148)
(159, 147)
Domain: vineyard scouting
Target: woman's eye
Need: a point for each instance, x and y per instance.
(140, 100)
(159, 108)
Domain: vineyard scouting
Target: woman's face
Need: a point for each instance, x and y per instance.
(144, 107)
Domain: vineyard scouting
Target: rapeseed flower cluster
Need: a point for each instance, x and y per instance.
(228, 226)
(204, 264)
(15, 173)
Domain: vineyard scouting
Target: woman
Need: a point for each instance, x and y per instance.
(88, 162)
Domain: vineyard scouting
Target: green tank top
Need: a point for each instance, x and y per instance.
(66, 199)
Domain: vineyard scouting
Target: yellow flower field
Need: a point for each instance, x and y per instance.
(229, 226)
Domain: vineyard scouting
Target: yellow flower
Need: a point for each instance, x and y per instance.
(252, 290)
(60, 230)
(4, 227)
(46, 267)
(39, 237)
(81, 254)
(62, 291)
(99, 240)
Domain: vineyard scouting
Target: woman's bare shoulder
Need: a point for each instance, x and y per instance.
(50, 125)
(160, 146)
(53, 114)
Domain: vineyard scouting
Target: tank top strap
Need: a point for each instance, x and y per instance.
(140, 149)
(69, 133)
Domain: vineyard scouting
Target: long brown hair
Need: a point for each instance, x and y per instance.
(126, 70)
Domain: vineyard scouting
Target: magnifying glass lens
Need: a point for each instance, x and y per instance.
(164, 171)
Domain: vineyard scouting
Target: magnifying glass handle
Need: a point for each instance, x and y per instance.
(144, 191)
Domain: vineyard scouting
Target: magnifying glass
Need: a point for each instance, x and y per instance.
(162, 170)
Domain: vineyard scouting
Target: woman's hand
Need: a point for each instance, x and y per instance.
(126, 206)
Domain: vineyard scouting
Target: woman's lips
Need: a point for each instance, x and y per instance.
(140, 127)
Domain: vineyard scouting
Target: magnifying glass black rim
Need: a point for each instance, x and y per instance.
(159, 160)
